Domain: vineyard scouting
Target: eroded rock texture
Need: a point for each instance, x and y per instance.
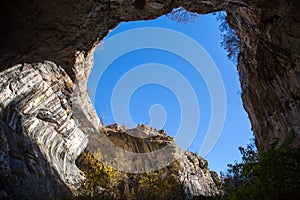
(46, 114)
(196, 179)
(269, 68)
(40, 139)
(190, 170)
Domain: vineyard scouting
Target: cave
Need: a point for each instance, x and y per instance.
(47, 53)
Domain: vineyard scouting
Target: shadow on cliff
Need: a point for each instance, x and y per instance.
(25, 173)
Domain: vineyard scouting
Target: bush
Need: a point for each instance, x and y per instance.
(101, 180)
(270, 175)
(104, 182)
(155, 186)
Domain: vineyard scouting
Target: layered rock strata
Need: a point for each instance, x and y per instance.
(40, 137)
(39, 100)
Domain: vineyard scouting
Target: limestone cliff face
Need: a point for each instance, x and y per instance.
(189, 169)
(196, 179)
(42, 135)
(269, 68)
(46, 114)
(40, 138)
(66, 33)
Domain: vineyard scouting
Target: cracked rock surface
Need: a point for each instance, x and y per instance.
(46, 56)
(39, 135)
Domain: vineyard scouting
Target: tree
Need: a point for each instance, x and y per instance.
(269, 175)
(180, 15)
(230, 41)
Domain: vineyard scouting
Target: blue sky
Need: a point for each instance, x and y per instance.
(236, 131)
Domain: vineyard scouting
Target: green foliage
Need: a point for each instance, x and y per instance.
(104, 182)
(101, 180)
(156, 186)
(180, 15)
(270, 175)
(230, 41)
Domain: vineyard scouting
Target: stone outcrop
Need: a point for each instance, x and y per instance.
(46, 114)
(196, 179)
(67, 32)
(40, 138)
(269, 68)
(191, 171)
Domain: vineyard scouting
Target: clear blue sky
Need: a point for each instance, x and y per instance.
(236, 131)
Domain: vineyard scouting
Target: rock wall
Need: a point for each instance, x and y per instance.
(192, 172)
(197, 181)
(40, 138)
(67, 32)
(39, 100)
(269, 68)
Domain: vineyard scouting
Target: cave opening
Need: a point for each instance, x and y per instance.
(52, 44)
(133, 83)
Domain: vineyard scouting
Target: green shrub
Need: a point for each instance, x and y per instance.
(101, 180)
(104, 182)
(269, 175)
(156, 186)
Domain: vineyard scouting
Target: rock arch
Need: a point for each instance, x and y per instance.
(66, 32)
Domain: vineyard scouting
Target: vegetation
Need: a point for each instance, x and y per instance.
(104, 182)
(101, 180)
(230, 41)
(270, 175)
(159, 185)
(180, 15)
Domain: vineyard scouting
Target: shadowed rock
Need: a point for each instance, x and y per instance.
(46, 114)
